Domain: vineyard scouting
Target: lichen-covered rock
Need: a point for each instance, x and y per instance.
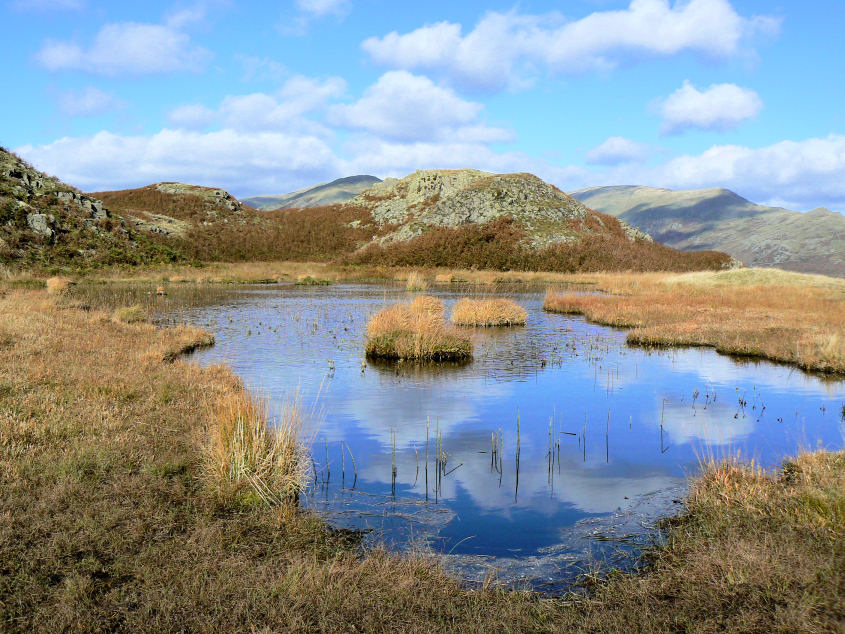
(216, 197)
(41, 224)
(634, 233)
(452, 198)
(42, 218)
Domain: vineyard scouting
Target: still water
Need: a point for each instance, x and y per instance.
(562, 444)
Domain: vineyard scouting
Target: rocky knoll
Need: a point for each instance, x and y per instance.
(455, 198)
(42, 217)
(174, 209)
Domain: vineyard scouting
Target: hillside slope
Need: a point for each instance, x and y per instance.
(45, 222)
(473, 218)
(337, 191)
(812, 242)
(449, 218)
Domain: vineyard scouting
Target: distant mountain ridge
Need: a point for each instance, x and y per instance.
(719, 219)
(337, 191)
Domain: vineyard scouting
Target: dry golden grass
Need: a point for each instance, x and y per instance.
(416, 282)
(129, 314)
(488, 312)
(107, 520)
(786, 317)
(427, 304)
(415, 331)
(245, 449)
(58, 285)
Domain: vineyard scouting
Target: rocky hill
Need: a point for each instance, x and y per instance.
(337, 191)
(45, 222)
(811, 242)
(501, 221)
(454, 198)
(175, 209)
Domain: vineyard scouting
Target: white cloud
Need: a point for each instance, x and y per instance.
(405, 107)
(804, 174)
(510, 49)
(385, 158)
(127, 48)
(719, 107)
(192, 116)
(261, 161)
(322, 7)
(617, 150)
(89, 101)
(284, 110)
(799, 174)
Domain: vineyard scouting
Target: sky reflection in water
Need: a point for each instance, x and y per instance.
(281, 340)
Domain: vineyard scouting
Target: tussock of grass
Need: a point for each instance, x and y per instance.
(58, 285)
(307, 280)
(246, 450)
(488, 312)
(738, 312)
(415, 282)
(427, 304)
(129, 315)
(415, 331)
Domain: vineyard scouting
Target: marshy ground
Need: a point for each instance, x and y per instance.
(108, 519)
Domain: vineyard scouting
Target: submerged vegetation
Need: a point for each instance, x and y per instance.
(415, 331)
(788, 317)
(494, 311)
(117, 512)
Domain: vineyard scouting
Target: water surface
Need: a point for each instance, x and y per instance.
(607, 433)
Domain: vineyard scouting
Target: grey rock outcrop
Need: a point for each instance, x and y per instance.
(42, 224)
(452, 198)
(216, 197)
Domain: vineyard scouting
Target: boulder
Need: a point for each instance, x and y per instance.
(42, 224)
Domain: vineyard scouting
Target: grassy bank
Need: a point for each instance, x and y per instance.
(108, 521)
(787, 317)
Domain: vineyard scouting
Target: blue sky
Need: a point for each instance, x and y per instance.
(267, 97)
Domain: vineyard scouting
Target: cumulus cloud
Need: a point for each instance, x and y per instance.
(284, 110)
(616, 150)
(509, 49)
(89, 101)
(259, 161)
(719, 107)
(801, 172)
(797, 174)
(405, 107)
(127, 48)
